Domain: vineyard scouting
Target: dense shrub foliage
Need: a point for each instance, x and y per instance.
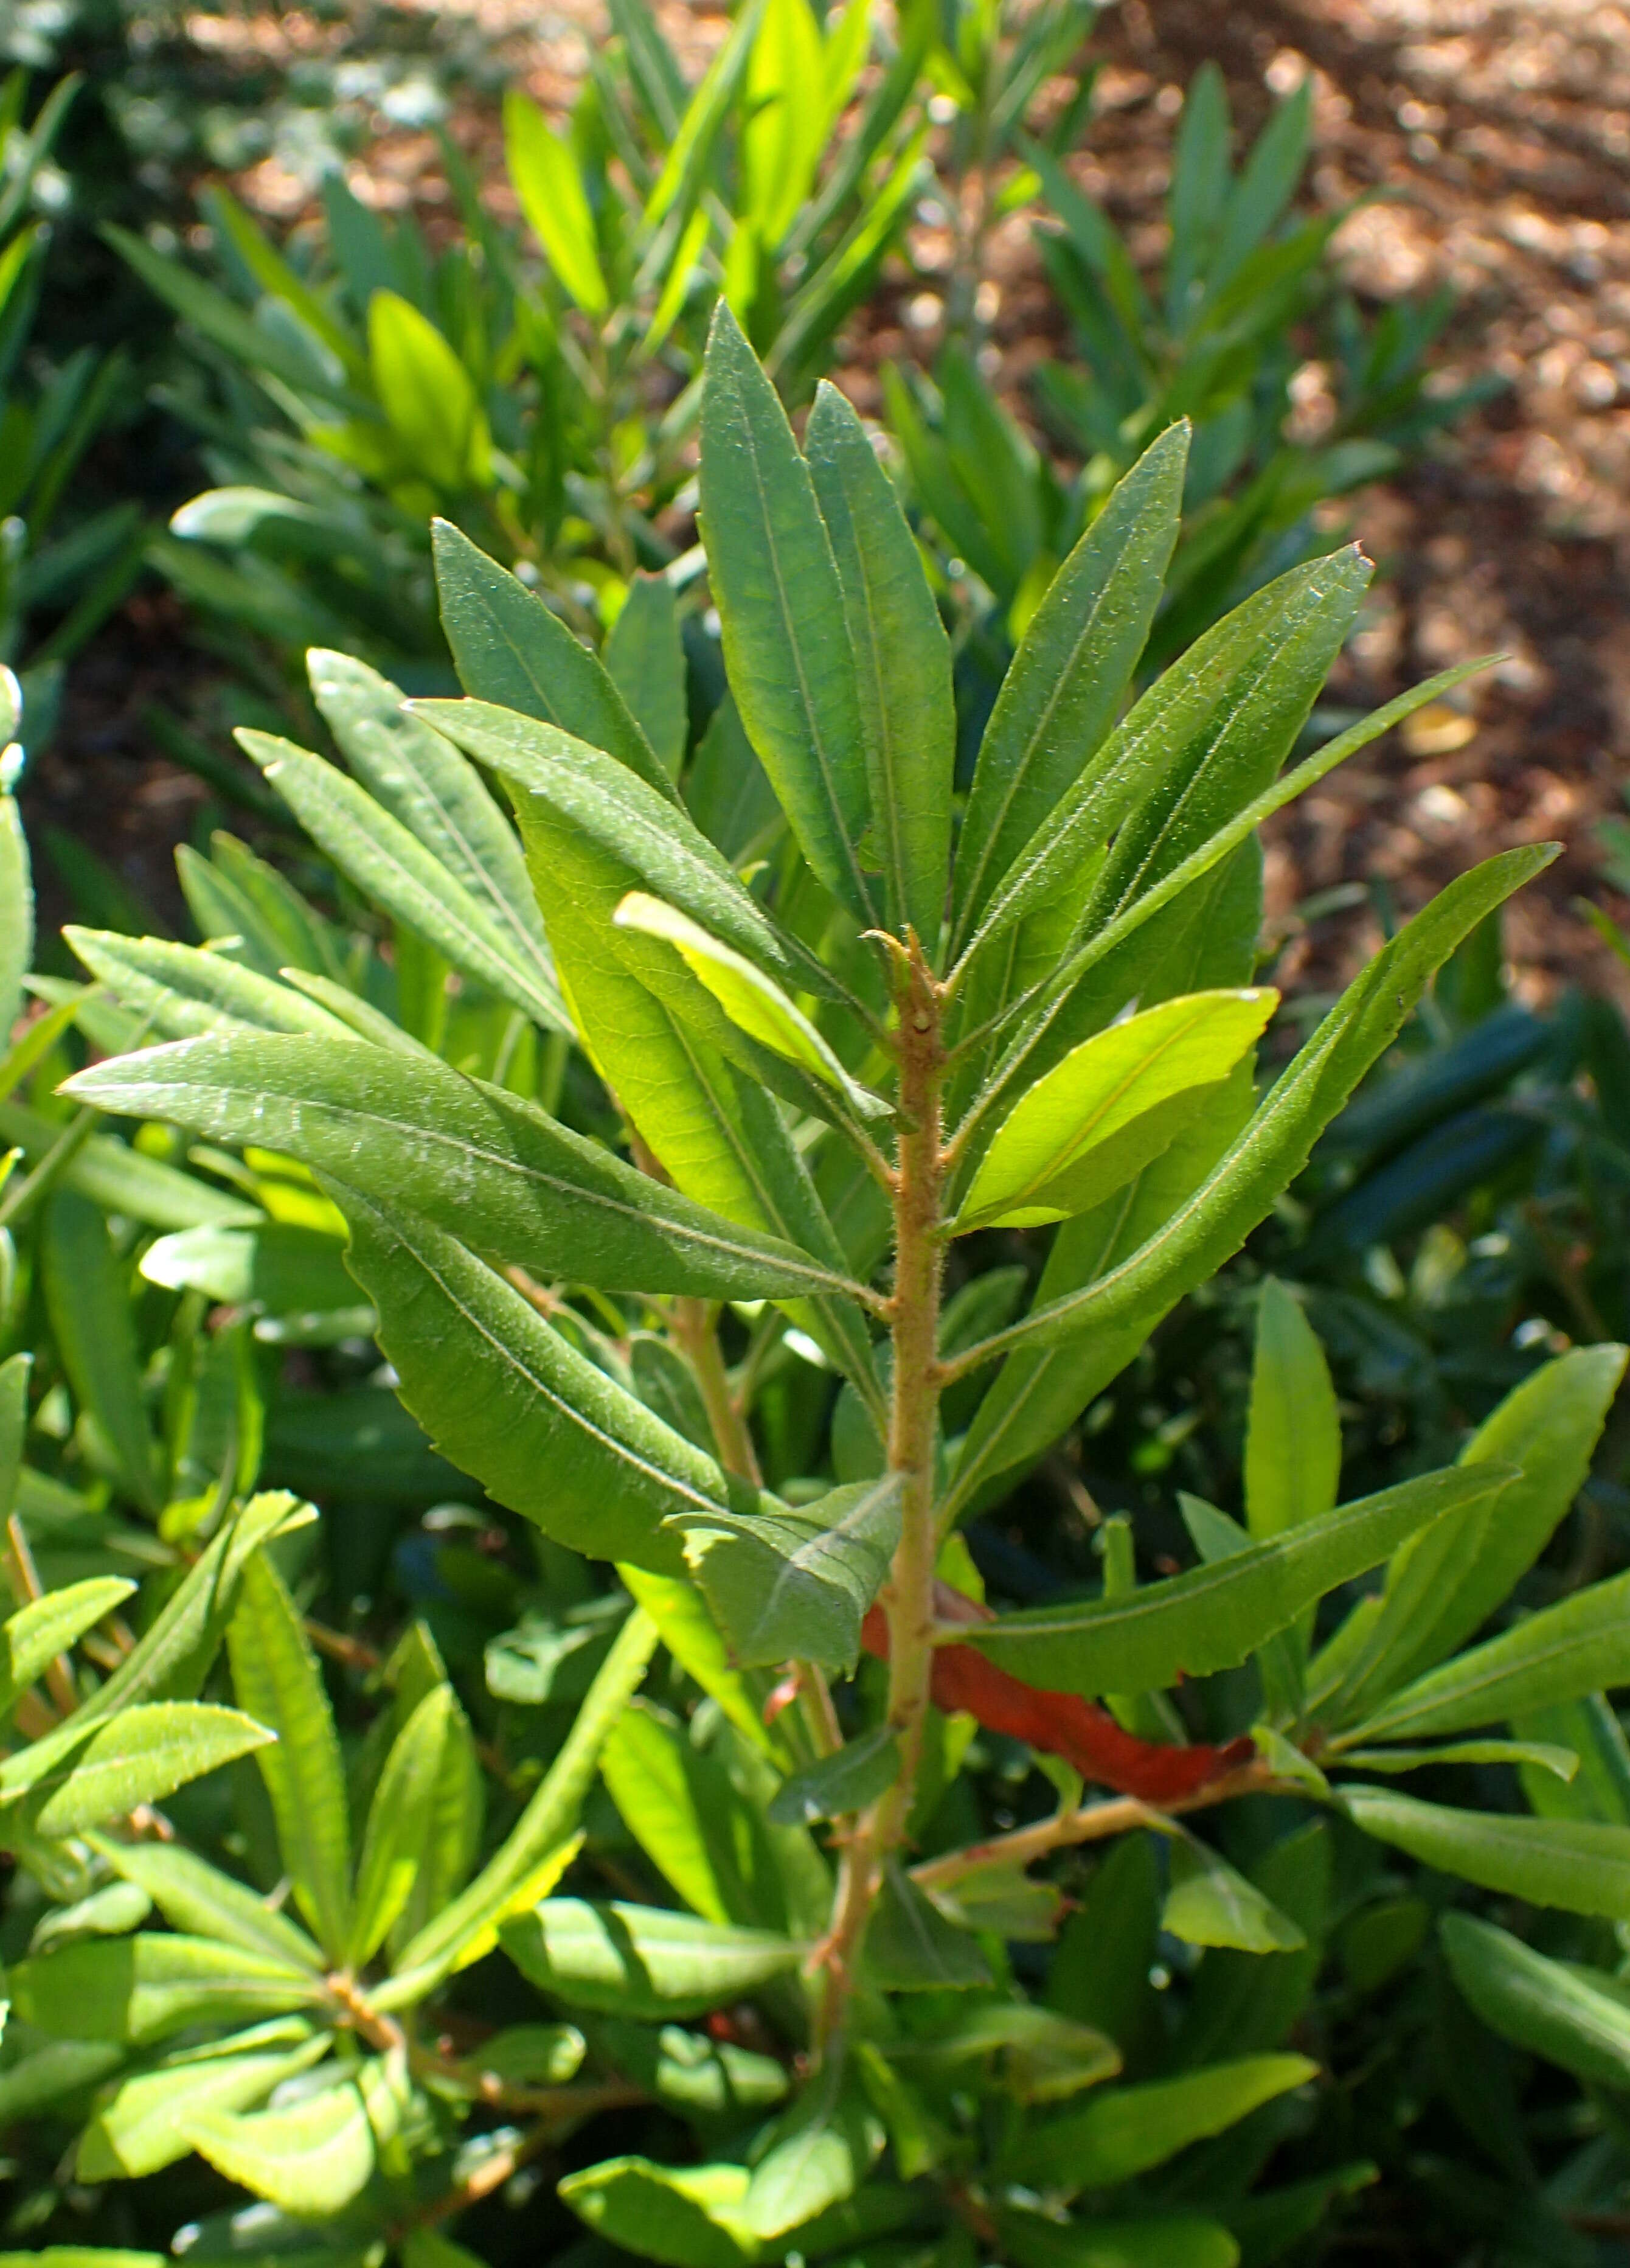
(674, 1598)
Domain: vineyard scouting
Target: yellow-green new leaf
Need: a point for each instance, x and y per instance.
(1098, 1117)
(196, 1897)
(400, 1820)
(310, 2158)
(141, 1989)
(544, 174)
(753, 1002)
(1293, 1438)
(426, 393)
(142, 2129)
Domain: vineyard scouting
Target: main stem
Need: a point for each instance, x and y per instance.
(908, 1598)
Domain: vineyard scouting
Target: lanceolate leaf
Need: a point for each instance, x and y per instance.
(902, 662)
(181, 992)
(142, 1988)
(1580, 1645)
(1293, 1441)
(310, 2158)
(544, 171)
(1065, 684)
(120, 1180)
(196, 1897)
(85, 1287)
(399, 1821)
(1213, 1617)
(784, 1584)
(510, 1180)
(38, 1632)
(598, 798)
(1201, 1234)
(642, 1961)
(139, 1756)
(466, 1929)
(645, 660)
(1578, 1866)
(512, 651)
(1114, 1102)
(1123, 2131)
(505, 1397)
(715, 1134)
(753, 1002)
(141, 2130)
(786, 636)
(1438, 1592)
(1550, 2008)
(275, 1673)
(393, 867)
(430, 788)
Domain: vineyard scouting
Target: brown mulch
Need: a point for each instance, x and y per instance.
(1499, 137)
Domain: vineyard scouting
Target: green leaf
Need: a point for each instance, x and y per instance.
(784, 1584)
(1550, 2008)
(87, 1295)
(848, 1780)
(1064, 688)
(1209, 1904)
(1293, 1439)
(786, 636)
(391, 867)
(642, 1961)
(426, 393)
(1439, 1591)
(1539, 1756)
(912, 1947)
(1124, 2131)
(181, 992)
(579, 787)
(142, 1988)
(508, 1179)
(902, 662)
(1213, 1617)
(1214, 1221)
(195, 1897)
(437, 796)
(275, 1675)
(143, 2128)
(1580, 1645)
(544, 174)
(655, 1780)
(464, 1929)
(818, 2152)
(644, 657)
(1575, 1865)
(258, 346)
(140, 1755)
(719, 1137)
(310, 2159)
(754, 1003)
(1097, 1118)
(510, 651)
(687, 2217)
(121, 1180)
(47, 1627)
(16, 914)
(504, 1395)
(781, 132)
(1045, 2056)
(399, 1821)
(687, 1630)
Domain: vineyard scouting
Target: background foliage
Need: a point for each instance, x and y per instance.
(193, 1361)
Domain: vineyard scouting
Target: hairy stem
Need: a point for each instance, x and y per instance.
(908, 1598)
